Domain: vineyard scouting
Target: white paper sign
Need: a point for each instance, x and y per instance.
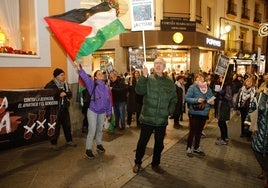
(142, 15)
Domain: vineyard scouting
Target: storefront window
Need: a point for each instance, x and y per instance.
(175, 59)
(27, 44)
(17, 21)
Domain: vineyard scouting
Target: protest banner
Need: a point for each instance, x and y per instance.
(142, 18)
(222, 65)
(26, 116)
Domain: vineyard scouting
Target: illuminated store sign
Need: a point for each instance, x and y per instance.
(213, 42)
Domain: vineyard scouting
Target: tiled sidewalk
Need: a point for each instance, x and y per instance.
(232, 165)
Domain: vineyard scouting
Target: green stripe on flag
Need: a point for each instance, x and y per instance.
(94, 43)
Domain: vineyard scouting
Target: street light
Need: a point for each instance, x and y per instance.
(227, 29)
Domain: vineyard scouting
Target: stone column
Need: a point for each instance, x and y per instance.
(193, 10)
(158, 12)
(194, 60)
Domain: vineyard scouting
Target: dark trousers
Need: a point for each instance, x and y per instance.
(263, 161)
(244, 128)
(129, 117)
(223, 128)
(145, 134)
(196, 126)
(177, 117)
(85, 121)
(63, 119)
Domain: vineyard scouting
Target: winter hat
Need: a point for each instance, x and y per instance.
(57, 72)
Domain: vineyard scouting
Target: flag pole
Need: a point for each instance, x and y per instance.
(144, 49)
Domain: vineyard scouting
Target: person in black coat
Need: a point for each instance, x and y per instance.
(134, 100)
(63, 96)
(180, 90)
(119, 95)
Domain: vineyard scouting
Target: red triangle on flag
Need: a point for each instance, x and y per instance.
(71, 35)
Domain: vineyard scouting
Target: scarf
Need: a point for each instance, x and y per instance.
(61, 85)
(246, 94)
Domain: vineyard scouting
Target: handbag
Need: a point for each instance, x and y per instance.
(199, 106)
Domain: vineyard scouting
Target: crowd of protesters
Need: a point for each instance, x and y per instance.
(202, 96)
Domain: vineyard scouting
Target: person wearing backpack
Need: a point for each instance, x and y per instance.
(100, 105)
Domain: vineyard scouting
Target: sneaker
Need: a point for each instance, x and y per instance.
(71, 144)
(220, 142)
(136, 168)
(203, 134)
(100, 148)
(199, 152)
(89, 154)
(158, 169)
(189, 152)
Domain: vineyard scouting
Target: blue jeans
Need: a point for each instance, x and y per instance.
(95, 126)
(120, 114)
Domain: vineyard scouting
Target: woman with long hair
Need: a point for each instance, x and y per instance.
(244, 97)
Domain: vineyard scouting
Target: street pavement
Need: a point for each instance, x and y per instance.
(232, 165)
(37, 166)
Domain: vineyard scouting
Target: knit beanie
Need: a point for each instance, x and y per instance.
(57, 72)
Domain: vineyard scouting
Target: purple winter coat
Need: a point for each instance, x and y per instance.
(100, 99)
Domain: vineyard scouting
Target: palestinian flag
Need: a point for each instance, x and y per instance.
(83, 31)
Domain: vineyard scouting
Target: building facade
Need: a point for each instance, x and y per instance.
(209, 28)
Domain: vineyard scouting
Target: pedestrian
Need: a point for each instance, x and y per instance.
(225, 103)
(85, 105)
(244, 97)
(133, 104)
(119, 94)
(180, 90)
(260, 135)
(237, 84)
(159, 99)
(100, 105)
(263, 84)
(198, 97)
(63, 95)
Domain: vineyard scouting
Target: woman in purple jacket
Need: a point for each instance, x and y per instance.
(100, 105)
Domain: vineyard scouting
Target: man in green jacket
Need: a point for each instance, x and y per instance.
(159, 100)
